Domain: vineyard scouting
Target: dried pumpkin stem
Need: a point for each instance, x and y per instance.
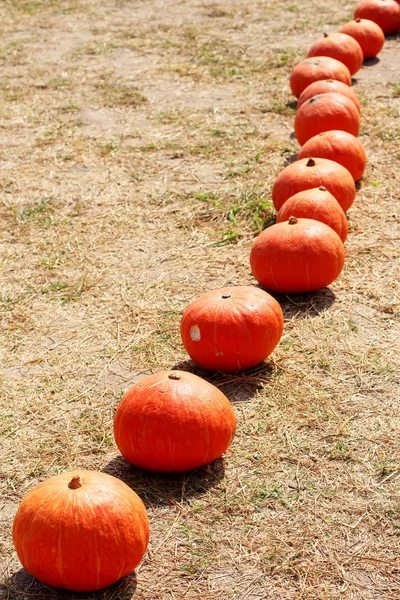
(225, 296)
(322, 188)
(292, 220)
(310, 162)
(173, 376)
(75, 483)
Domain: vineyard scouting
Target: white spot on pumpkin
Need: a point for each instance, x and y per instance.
(195, 333)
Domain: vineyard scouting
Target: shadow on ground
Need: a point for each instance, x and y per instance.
(370, 62)
(238, 387)
(291, 159)
(301, 306)
(166, 489)
(22, 586)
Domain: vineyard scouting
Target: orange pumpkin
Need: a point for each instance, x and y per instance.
(317, 204)
(325, 86)
(232, 328)
(313, 69)
(340, 146)
(385, 13)
(323, 113)
(367, 33)
(173, 421)
(300, 255)
(310, 173)
(81, 531)
(340, 46)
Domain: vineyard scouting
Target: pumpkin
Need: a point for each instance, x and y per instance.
(232, 328)
(296, 256)
(367, 33)
(325, 86)
(173, 421)
(309, 173)
(339, 146)
(313, 69)
(340, 46)
(385, 13)
(323, 113)
(81, 530)
(317, 204)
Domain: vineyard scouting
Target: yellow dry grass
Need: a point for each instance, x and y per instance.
(140, 141)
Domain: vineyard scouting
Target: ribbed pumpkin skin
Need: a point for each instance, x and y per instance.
(173, 421)
(328, 86)
(309, 173)
(296, 258)
(81, 539)
(339, 146)
(317, 204)
(368, 34)
(340, 46)
(385, 13)
(313, 69)
(232, 328)
(324, 113)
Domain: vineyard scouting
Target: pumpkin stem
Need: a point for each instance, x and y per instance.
(225, 296)
(292, 220)
(322, 188)
(75, 483)
(173, 376)
(310, 162)
(325, 35)
(358, 20)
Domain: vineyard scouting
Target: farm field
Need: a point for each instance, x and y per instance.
(139, 144)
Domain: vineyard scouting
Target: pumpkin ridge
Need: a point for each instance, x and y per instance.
(244, 327)
(60, 561)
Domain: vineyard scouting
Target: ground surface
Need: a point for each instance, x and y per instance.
(139, 144)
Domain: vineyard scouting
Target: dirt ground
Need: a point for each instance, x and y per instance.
(139, 144)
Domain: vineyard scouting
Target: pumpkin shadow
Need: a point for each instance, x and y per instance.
(238, 387)
(166, 489)
(370, 62)
(291, 159)
(302, 306)
(22, 586)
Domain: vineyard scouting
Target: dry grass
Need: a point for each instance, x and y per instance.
(140, 141)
